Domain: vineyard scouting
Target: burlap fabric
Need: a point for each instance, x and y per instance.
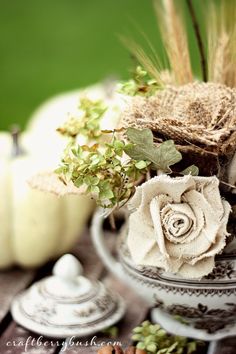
(50, 182)
(199, 117)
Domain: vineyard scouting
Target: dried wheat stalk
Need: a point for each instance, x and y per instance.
(175, 40)
(222, 43)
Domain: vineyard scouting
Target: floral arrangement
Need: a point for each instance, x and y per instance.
(150, 338)
(172, 157)
(154, 339)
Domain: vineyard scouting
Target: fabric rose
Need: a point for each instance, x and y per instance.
(178, 224)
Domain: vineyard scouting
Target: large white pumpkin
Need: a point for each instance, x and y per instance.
(55, 111)
(34, 226)
(37, 226)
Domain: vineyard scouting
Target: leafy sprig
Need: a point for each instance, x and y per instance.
(89, 123)
(103, 170)
(141, 84)
(111, 170)
(109, 166)
(154, 339)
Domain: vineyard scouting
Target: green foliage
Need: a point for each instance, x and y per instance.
(112, 331)
(103, 170)
(141, 84)
(89, 123)
(154, 339)
(109, 167)
(162, 157)
(191, 170)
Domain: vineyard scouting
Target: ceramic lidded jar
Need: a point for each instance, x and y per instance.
(67, 304)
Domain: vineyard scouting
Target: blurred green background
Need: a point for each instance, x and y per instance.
(50, 46)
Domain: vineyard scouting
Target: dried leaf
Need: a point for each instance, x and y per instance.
(191, 170)
(140, 137)
(166, 155)
(162, 157)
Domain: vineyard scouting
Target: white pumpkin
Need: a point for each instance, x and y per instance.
(37, 226)
(55, 111)
(34, 226)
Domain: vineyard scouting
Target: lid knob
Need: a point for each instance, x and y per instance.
(68, 268)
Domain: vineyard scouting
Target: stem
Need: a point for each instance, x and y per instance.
(227, 184)
(160, 173)
(148, 175)
(140, 180)
(109, 86)
(199, 39)
(112, 221)
(16, 149)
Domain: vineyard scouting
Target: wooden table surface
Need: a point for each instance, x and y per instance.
(16, 340)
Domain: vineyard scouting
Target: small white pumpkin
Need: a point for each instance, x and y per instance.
(34, 226)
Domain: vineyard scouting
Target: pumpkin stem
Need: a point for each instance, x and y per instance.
(16, 148)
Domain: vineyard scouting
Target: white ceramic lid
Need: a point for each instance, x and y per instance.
(67, 304)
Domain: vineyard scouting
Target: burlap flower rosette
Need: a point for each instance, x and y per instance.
(199, 117)
(178, 224)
